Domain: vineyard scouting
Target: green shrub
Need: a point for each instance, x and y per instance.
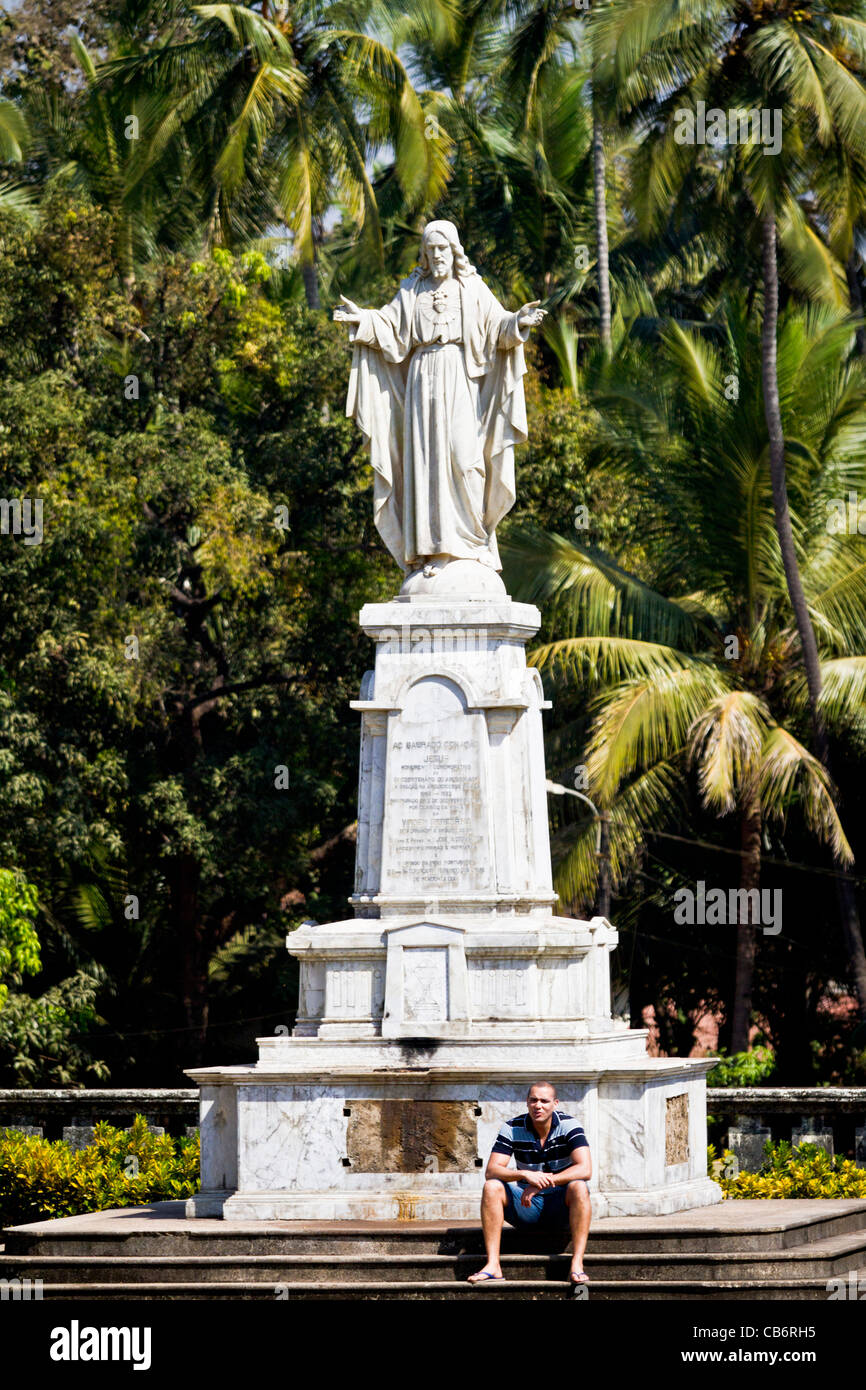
(742, 1068)
(41, 1179)
(805, 1171)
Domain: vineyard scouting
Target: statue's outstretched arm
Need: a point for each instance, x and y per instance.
(386, 329)
(514, 326)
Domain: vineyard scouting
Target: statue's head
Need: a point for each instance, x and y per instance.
(441, 240)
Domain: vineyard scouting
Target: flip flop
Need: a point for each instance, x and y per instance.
(483, 1277)
(581, 1278)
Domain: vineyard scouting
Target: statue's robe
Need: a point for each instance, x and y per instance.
(441, 420)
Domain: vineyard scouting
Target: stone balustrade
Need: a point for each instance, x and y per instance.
(71, 1114)
(741, 1118)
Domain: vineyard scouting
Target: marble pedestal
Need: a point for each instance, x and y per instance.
(424, 1018)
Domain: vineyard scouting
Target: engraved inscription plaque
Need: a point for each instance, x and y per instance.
(349, 990)
(412, 1136)
(437, 835)
(499, 987)
(676, 1129)
(425, 984)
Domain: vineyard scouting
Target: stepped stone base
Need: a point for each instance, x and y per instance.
(402, 1204)
(376, 1129)
(424, 1019)
(741, 1250)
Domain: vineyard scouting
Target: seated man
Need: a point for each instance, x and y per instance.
(551, 1152)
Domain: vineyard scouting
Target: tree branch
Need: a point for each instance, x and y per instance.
(236, 687)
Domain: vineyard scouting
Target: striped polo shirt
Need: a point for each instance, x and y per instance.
(518, 1137)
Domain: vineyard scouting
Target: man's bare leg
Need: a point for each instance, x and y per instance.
(579, 1216)
(493, 1200)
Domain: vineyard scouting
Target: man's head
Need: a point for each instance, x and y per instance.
(541, 1101)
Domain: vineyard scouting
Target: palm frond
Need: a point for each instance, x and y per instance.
(255, 119)
(810, 263)
(561, 337)
(250, 29)
(594, 594)
(789, 774)
(20, 199)
(843, 692)
(647, 721)
(725, 744)
(13, 131)
(606, 660)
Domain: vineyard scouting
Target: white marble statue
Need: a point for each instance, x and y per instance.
(437, 389)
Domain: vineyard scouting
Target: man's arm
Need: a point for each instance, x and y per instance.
(581, 1167)
(498, 1166)
(501, 1156)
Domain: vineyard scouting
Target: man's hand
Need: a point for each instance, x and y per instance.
(530, 316)
(534, 1183)
(348, 312)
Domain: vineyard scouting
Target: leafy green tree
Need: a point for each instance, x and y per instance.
(808, 64)
(699, 674)
(274, 114)
(743, 1068)
(19, 944)
(39, 1038)
(36, 39)
(181, 643)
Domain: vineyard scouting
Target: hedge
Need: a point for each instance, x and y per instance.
(804, 1171)
(41, 1179)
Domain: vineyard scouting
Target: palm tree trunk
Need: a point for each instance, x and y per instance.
(850, 917)
(844, 891)
(784, 530)
(310, 269)
(603, 256)
(750, 877)
(126, 258)
(211, 226)
(855, 296)
(310, 277)
(602, 902)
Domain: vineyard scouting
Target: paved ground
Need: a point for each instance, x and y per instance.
(725, 1218)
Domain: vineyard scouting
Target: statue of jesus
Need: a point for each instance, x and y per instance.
(437, 389)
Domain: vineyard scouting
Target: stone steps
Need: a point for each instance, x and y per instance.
(626, 1290)
(814, 1260)
(731, 1226)
(741, 1250)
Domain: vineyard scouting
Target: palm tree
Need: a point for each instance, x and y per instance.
(278, 114)
(603, 250)
(499, 79)
(86, 141)
(697, 673)
(14, 138)
(806, 66)
(549, 36)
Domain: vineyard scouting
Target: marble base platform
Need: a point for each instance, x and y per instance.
(301, 1137)
(412, 1204)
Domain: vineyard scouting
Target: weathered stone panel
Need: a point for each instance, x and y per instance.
(412, 1136)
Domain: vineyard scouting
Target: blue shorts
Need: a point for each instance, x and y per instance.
(547, 1209)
